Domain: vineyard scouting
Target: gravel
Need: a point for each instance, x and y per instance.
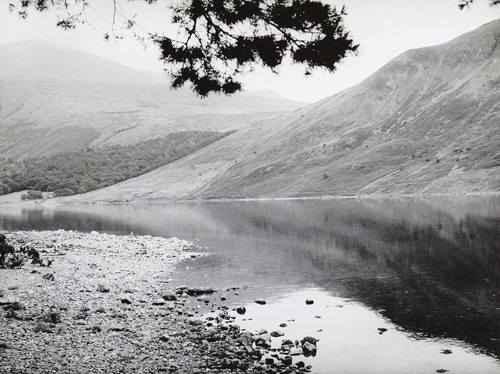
(108, 308)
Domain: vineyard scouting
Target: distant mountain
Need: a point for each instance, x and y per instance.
(427, 122)
(54, 99)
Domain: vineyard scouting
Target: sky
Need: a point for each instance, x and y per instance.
(383, 28)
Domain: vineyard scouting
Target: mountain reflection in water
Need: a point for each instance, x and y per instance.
(431, 266)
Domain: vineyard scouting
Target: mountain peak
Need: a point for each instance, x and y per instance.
(40, 59)
(73, 99)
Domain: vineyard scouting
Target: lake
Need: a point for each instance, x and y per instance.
(400, 285)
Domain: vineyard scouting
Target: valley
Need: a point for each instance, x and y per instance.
(426, 123)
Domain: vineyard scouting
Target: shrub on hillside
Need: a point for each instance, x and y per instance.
(9, 257)
(6, 250)
(4, 189)
(14, 257)
(64, 192)
(32, 195)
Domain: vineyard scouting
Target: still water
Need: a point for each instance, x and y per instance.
(400, 285)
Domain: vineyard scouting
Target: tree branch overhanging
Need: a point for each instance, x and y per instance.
(232, 37)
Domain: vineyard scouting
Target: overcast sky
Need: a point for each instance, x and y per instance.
(383, 28)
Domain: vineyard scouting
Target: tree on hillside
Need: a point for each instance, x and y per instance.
(220, 40)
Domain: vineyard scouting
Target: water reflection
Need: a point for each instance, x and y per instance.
(351, 339)
(430, 266)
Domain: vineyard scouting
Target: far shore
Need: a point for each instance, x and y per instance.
(15, 198)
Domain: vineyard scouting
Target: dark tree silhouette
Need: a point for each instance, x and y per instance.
(220, 40)
(223, 39)
(466, 3)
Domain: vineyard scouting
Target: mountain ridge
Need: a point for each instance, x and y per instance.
(55, 99)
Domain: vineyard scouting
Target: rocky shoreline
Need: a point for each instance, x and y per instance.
(99, 303)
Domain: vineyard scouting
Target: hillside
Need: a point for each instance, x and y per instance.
(427, 122)
(55, 99)
(68, 173)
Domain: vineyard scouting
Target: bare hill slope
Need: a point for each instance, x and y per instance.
(55, 99)
(427, 122)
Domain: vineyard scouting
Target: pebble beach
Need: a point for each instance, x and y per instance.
(101, 303)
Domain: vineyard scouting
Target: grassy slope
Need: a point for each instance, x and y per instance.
(425, 123)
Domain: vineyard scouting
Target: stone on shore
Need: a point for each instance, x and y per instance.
(309, 349)
(287, 360)
(49, 277)
(42, 327)
(241, 310)
(194, 291)
(276, 334)
(8, 301)
(169, 295)
(103, 288)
